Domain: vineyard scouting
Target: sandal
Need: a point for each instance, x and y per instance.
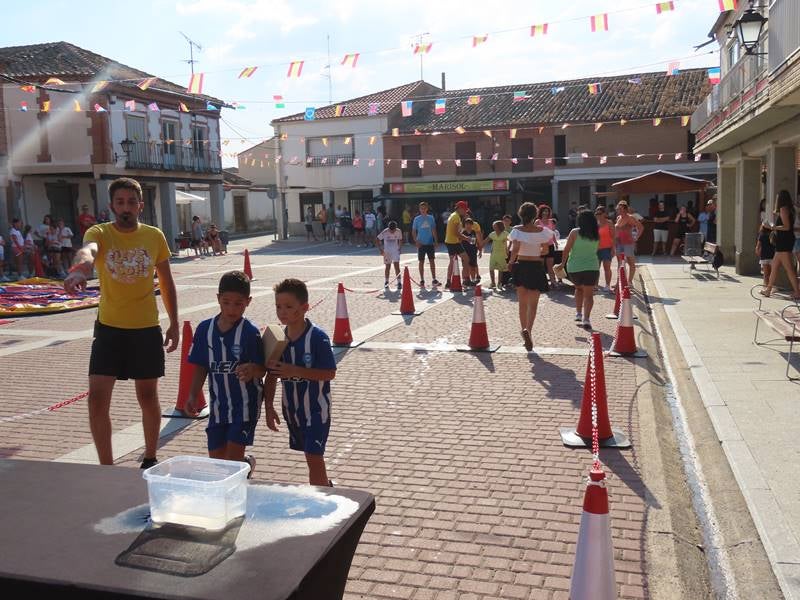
(526, 338)
(765, 292)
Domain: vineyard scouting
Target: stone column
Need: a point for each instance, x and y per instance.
(748, 195)
(781, 173)
(103, 199)
(217, 200)
(169, 212)
(554, 194)
(592, 191)
(4, 222)
(726, 212)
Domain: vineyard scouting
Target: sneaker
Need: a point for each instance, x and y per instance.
(478, 279)
(578, 317)
(436, 282)
(399, 286)
(386, 284)
(587, 325)
(148, 462)
(447, 285)
(250, 460)
(330, 483)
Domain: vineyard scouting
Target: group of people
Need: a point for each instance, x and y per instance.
(779, 239)
(205, 242)
(359, 228)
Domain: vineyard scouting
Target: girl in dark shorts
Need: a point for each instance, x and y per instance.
(764, 248)
(582, 264)
(526, 263)
(546, 220)
(783, 236)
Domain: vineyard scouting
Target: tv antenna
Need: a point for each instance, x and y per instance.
(328, 74)
(420, 37)
(192, 46)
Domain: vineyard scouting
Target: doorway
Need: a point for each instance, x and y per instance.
(63, 199)
(240, 213)
(148, 216)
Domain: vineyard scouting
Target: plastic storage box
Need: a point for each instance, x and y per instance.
(197, 491)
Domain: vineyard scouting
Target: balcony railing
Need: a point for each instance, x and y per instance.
(331, 160)
(172, 157)
(784, 33)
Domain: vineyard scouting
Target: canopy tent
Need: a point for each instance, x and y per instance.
(187, 198)
(660, 182)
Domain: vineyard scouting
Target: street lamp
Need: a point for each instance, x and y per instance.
(749, 28)
(127, 147)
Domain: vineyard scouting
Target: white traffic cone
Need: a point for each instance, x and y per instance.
(624, 343)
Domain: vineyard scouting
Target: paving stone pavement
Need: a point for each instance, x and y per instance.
(476, 496)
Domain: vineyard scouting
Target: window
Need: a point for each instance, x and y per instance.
(169, 138)
(411, 154)
(330, 151)
(199, 140)
(733, 53)
(465, 152)
(560, 150)
(136, 132)
(314, 200)
(521, 150)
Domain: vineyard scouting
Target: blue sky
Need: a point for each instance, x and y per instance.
(271, 33)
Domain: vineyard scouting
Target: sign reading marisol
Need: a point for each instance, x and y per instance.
(481, 185)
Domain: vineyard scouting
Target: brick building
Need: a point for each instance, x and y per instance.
(553, 142)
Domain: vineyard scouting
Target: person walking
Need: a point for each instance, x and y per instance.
(528, 267)
(128, 342)
(547, 221)
(783, 240)
(423, 232)
(606, 248)
(582, 265)
(624, 228)
(765, 251)
(685, 221)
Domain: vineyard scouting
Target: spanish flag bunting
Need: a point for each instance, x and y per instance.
(350, 60)
(540, 29)
(195, 84)
(279, 103)
(565, 125)
(130, 105)
(98, 108)
(599, 22)
(99, 86)
(182, 107)
(347, 140)
(339, 110)
(597, 127)
(512, 133)
(325, 142)
(247, 72)
(153, 107)
(395, 132)
(23, 106)
(685, 121)
(46, 106)
(662, 7)
(459, 130)
(594, 88)
(622, 121)
(295, 69)
(678, 155)
(372, 140)
(146, 83)
(487, 133)
(541, 129)
(603, 160)
(423, 48)
(54, 81)
(728, 5)
(28, 88)
(77, 107)
(477, 40)
(657, 122)
(473, 100)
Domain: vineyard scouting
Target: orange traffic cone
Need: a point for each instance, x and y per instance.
(407, 297)
(595, 400)
(593, 576)
(342, 336)
(247, 270)
(185, 380)
(38, 268)
(624, 343)
(621, 278)
(455, 278)
(479, 336)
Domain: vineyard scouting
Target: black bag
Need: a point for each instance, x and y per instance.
(718, 259)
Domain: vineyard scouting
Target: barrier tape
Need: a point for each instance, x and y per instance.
(347, 289)
(316, 304)
(40, 411)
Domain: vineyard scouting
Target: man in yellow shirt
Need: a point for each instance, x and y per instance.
(453, 237)
(127, 337)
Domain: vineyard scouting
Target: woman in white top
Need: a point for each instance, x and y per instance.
(67, 251)
(530, 276)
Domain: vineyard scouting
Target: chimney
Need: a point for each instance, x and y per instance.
(444, 86)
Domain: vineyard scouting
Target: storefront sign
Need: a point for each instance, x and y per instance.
(483, 185)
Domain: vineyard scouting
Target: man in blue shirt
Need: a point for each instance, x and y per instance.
(423, 231)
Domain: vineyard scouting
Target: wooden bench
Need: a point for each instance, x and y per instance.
(785, 322)
(705, 257)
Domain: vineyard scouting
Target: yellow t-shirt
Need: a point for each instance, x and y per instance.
(453, 227)
(125, 264)
(406, 218)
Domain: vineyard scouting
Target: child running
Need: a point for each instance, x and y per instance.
(388, 242)
(306, 369)
(229, 348)
(498, 259)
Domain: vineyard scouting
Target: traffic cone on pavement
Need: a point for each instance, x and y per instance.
(247, 270)
(593, 576)
(38, 268)
(624, 343)
(455, 278)
(479, 336)
(407, 297)
(342, 336)
(594, 398)
(185, 380)
(622, 279)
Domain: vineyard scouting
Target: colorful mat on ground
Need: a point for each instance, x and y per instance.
(36, 296)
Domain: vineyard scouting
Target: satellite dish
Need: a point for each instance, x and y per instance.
(272, 191)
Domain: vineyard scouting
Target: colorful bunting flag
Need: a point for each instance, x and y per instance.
(594, 88)
(182, 107)
(423, 48)
(279, 101)
(674, 67)
(310, 113)
(635, 80)
(514, 161)
(406, 107)
(487, 133)
(685, 121)
(195, 84)
(46, 106)
(678, 155)
(98, 108)
(597, 127)
(421, 164)
(350, 60)
(371, 162)
(656, 121)
(372, 140)
(458, 162)
(23, 106)
(477, 40)
(556, 90)
(478, 156)
(584, 155)
(728, 5)
(521, 95)
(541, 129)
(395, 132)
(372, 109)
(439, 161)
(512, 133)
(548, 161)
(54, 81)
(146, 83)
(495, 155)
(77, 106)
(459, 130)
(603, 160)
(662, 7)
(347, 140)
(473, 100)
(714, 75)
(325, 142)
(339, 110)
(295, 69)
(565, 125)
(440, 106)
(539, 29)
(698, 157)
(660, 156)
(28, 88)
(152, 106)
(622, 121)
(599, 22)
(130, 105)
(355, 162)
(403, 164)
(639, 155)
(99, 86)
(247, 72)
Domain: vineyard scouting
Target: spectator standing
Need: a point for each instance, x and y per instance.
(86, 220)
(453, 239)
(606, 247)
(358, 229)
(309, 223)
(67, 251)
(370, 222)
(406, 225)
(625, 226)
(572, 215)
(40, 234)
(547, 221)
(322, 217)
(702, 227)
(3, 277)
(582, 265)
(128, 343)
(337, 224)
(198, 237)
(764, 248)
(17, 247)
(102, 216)
(214, 239)
(660, 228)
(423, 232)
(52, 239)
(498, 259)
(685, 222)
(472, 249)
(783, 236)
(711, 211)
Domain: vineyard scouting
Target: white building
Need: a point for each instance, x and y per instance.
(337, 160)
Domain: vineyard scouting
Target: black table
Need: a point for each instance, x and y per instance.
(49, 546)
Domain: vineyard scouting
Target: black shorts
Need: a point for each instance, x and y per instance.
(455, 249)
(324, 226)
(472, 254)
(551, 251)
(531, 275)
(309, 227)
(584, 277)
(127, 353)
(428, 250)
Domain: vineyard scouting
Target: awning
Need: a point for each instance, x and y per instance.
(445, 195)
(187, 198)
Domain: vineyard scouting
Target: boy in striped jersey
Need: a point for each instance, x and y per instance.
(228, 349)
(306, 369)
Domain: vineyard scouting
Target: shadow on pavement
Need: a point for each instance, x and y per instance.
(559, 382)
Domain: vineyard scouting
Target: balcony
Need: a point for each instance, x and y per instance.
(331, 160)
(172, 157)
(784, 34)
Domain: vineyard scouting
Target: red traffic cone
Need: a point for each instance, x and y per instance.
(479, 336)
(594, 392)
(185, 380)
(342, 336)
(455, 277)
(407, 297)
(593, 576)
(624, 343)
(621, 277)
(247, 270)
(38, 268)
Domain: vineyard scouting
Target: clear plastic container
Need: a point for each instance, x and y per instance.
(197, 491)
